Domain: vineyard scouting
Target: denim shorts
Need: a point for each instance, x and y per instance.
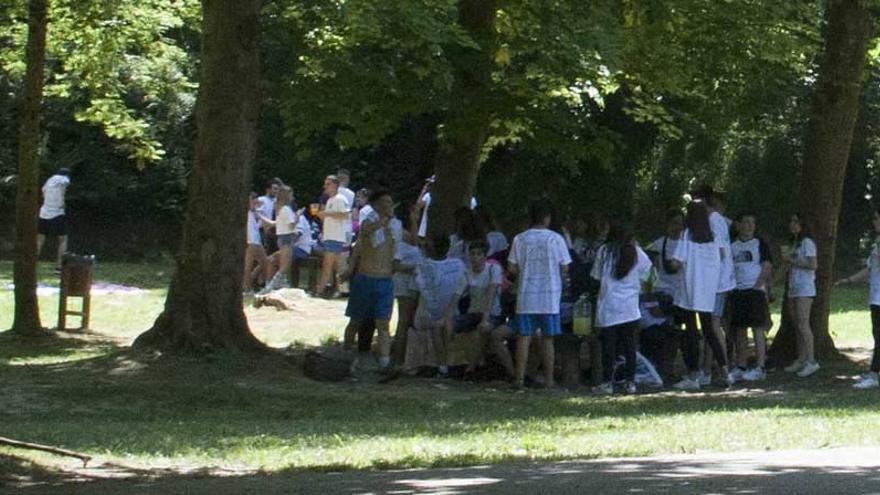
(299, 254)
(527, 324)
(370, 298)
(334, 247)
(285, 239)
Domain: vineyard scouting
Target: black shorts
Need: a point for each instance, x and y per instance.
(53, 226)
(749, 309)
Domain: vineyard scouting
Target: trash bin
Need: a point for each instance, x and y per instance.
(76, 281)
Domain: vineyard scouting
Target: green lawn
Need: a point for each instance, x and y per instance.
(88, 392)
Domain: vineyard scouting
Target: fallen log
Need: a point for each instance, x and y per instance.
(46, 448)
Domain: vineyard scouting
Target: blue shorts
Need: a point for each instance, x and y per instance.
(720, 304)
(370, 298)
(299, 254)
(527, 324)
(470, 321)
(285, 239)
(334, 247)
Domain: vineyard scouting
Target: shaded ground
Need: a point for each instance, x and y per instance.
(849, 471)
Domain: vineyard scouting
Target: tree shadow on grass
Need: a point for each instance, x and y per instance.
(51, 344)
(850, 471)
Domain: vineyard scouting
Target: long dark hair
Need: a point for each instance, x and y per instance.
(696, 221)
(805, 230)
(621, 246)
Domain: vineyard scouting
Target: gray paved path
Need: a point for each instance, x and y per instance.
(832, 471)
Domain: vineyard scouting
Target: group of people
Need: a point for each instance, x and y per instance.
(469, 296)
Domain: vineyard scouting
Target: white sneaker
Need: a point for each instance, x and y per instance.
(604, 389)
(794, 367)
(704, 379)
(808, 369)
(867, 382)
(737, 374)
(630, 388)
(755, 375)
(687, 384)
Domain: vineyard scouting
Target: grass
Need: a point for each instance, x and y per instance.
(88, 392)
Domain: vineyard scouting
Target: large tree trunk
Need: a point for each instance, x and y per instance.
(27, 199)
(203, 312)
(835, 107)
(466, 125)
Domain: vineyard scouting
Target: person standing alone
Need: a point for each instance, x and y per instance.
(53, 219)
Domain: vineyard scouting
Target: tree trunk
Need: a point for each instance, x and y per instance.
(835, 107)
(203, 311)
(27, 200)
(466, 125)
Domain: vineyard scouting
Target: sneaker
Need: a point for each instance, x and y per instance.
(737, 374)
(704, 379)
(687, 384)
(755, 375)
(630, 388)
(794, 367)
(870, 381)
(808, 369)
(604, 389)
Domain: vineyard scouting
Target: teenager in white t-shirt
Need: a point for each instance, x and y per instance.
(482, 284)
(619, 267)
(668, 279)
(425, 202)
(254, 253)
(699, 258)
(285, 224)
(748, 301)
(267, 209)
(539, 260)
(409, 255)
(871, 274)
(800, 261)
(336, 219)
(438, 281)
(53, 217)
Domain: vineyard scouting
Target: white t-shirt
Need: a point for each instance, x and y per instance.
(337, 229)
(874, 273)
(497, 242)
(423, 225)
(267, 207)
(701, 269)
(253, 229)
(539, 254)
(748, 256)
(365, 213)
(721, 233)
(285, 221)
(348, 194)
(53, 196)
(476, 285)
(802, 281)
(405, 282)
(438, 282)
(618, 300)
(304, 232)
(667, 283)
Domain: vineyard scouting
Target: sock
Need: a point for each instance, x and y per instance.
(384, 361)
(443, 369)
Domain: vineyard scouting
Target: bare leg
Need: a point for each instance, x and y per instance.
(41, 239)
(62, 247)
(742, 346)
(760, 345)
(522, 355)
(383, 327)
(247, 283)
(499, 347)
(406, 311)
(549, 356)
(803, 305)
(351, 330)
(327, 263)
